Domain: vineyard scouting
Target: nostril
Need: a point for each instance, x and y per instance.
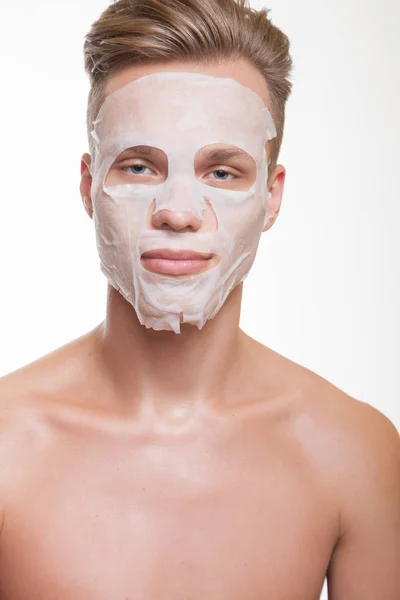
(182, 227)
(176, 221)
(166, 226)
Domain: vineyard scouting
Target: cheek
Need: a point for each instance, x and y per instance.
(243, 221)
(124, 216)
(116, 233)
(110, 220)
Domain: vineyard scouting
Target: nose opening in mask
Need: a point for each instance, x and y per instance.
(180, 194)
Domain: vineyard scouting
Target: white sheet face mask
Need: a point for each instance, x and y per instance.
(179, 115)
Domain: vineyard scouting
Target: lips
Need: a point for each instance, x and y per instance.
(171, 254)
(176, 262)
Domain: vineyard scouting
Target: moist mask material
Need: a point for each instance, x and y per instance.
(178, 115)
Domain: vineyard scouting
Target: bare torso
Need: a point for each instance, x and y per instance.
(237, 505)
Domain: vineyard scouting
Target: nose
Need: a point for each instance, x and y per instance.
(182, 220)
(176, 214)
(176, 220)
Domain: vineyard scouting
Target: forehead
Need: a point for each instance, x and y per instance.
(238, 68)
(160, 108)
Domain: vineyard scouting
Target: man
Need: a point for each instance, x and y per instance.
(166, 454)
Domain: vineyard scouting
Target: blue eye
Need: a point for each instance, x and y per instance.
(132, 169)
(139, 169)
(224, 173)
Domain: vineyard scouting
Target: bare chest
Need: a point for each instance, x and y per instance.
(93, 519)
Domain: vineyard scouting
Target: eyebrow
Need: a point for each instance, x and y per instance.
(143, 150)
(219, 154)
(224, 154)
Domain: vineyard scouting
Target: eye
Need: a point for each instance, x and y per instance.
(222, 175)
(137, 169)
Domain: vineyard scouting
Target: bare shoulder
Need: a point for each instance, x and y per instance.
(361, 444)
(359, 430)
(46, 378)
(355, 449)
(345, 437)
(318, 400)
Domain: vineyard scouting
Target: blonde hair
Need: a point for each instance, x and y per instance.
(133, 32)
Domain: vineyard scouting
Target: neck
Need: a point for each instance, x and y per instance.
(171, 370)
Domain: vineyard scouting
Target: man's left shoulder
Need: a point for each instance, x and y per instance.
(356, 424)
(328, 421)
(359, 424)
(369, 445)
(345, 436)
(359, 449)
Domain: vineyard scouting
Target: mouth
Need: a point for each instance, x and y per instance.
(177, 262)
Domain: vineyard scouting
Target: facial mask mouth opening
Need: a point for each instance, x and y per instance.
(178, 269)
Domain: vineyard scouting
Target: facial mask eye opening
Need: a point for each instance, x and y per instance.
(239, 166)
(153, 162)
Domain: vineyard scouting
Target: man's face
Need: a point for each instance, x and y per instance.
(180, 167)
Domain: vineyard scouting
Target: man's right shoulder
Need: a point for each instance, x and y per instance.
(24, 387)
(44, 378)
(19, 392)
(32, 380)
(23, 394)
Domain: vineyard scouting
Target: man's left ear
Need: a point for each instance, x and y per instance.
(276, 184)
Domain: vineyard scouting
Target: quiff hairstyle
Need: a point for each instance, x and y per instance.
(131, 32)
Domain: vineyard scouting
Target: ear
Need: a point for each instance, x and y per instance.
(86, 184)
(276, 184)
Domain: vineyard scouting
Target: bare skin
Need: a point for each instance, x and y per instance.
(141, 465)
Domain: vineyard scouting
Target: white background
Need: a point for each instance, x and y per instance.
(324, 290)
